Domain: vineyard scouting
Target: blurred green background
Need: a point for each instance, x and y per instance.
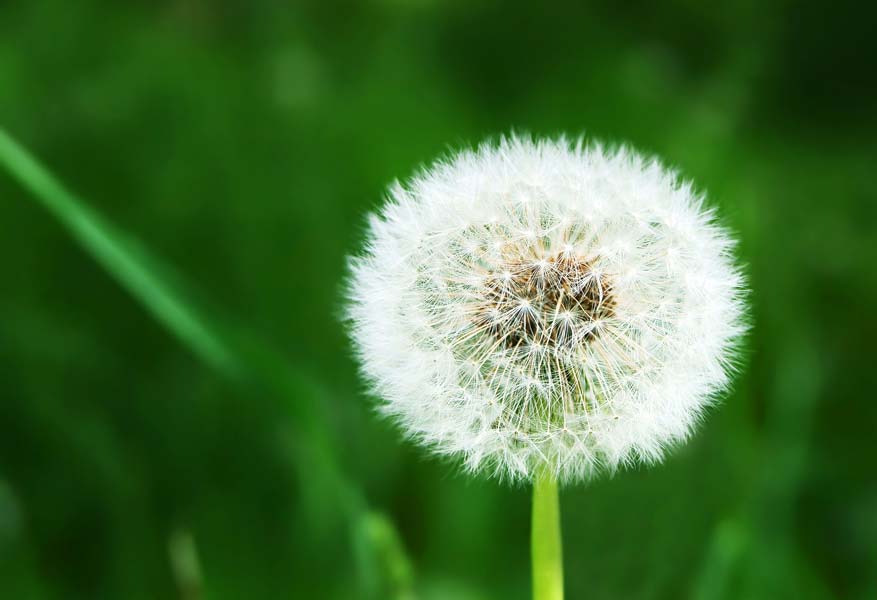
(182, 418)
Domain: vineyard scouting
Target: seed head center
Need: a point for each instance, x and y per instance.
(550, 302)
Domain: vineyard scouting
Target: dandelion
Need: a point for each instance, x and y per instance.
(545, 311)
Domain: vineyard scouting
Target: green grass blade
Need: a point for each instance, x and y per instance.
(118, 255)
(220, 346)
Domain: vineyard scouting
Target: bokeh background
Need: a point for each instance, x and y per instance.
(180, 415)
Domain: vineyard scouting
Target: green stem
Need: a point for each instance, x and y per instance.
(546, 547)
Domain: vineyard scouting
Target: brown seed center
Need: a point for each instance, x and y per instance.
(551, 302)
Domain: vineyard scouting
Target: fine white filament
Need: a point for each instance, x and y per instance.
(546, 307)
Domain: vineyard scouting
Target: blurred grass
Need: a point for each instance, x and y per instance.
(384, 565)
(247, 141)
(118, 255)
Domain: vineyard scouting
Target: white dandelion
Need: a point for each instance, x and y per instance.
(542, 308)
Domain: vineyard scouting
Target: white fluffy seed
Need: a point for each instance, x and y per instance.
(541, 306)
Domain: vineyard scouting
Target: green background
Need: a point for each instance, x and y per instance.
(242, 145)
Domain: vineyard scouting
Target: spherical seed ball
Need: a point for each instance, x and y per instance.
(546, 307)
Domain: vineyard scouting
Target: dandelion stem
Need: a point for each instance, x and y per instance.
(545, 543)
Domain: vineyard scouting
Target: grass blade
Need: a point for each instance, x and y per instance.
(220, 346)
(116, 254)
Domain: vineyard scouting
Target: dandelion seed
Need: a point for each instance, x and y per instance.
(537, 307)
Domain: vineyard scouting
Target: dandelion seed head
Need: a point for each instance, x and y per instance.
(541, 306)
